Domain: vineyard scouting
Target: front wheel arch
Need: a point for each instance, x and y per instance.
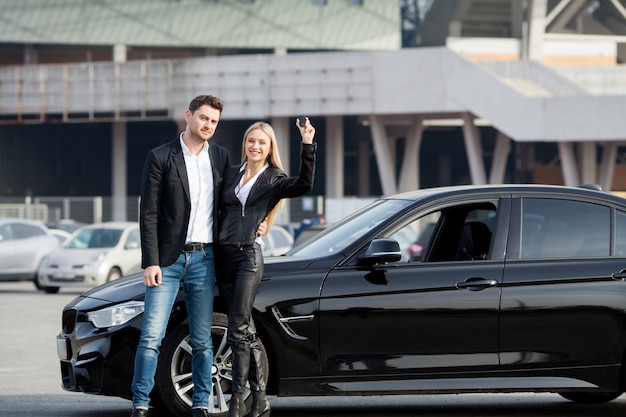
(114, 273)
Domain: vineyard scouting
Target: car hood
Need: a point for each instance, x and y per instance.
(76, 256)
(127, 288)
(132, 287)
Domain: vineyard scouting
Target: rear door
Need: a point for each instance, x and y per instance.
(560, 305)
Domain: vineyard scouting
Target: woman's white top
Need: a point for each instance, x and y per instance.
(242, 191)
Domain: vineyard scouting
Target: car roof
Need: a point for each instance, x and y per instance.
(111, 225)
(541, 189)
(20, 220)
(117, 225)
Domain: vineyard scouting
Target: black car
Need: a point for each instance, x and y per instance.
(521, 288)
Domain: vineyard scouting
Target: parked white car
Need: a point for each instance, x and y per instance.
(95, 254)
(23, 244)
(61, 235)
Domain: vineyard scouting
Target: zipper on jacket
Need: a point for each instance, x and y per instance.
(241, 229)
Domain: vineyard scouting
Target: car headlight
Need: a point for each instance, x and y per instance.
(116, 315)
(99, 256)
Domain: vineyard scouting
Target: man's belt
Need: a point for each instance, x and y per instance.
(194, 246)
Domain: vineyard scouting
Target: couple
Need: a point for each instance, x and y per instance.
(196, 208)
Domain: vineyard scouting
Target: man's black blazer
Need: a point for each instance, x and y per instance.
(165, 205)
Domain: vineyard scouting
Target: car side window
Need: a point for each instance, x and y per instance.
(6, 232)
(133, 240)
(24, 231)
(456, 233)
(553, 228)
(415, 237)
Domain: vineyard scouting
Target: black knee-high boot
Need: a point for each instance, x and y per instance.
(258, 382)
(241, 365)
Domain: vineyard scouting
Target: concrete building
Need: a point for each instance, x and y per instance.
(405, 94)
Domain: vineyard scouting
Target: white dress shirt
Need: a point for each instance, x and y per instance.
(200, 175)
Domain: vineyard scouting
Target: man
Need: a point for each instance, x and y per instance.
(180, 195)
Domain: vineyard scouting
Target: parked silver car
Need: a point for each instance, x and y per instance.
(277, 241)
(23, 244)
(95, 254)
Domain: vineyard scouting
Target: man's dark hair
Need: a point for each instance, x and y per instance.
(210, 101)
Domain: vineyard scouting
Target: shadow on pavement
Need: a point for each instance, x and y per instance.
(473, 405)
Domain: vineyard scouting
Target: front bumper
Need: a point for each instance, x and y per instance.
(86, 278)
(97, 361)
(86, 376)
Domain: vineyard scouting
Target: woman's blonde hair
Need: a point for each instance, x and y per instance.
(273, 159)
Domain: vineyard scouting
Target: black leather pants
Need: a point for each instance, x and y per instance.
(239, 272)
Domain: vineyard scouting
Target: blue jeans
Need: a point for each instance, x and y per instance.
(196, 271)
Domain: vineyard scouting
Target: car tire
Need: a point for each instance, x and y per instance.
(51, 290)
(590, 397)
(47, 290)
(173, 378)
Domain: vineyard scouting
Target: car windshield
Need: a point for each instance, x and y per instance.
(95, 238)
(345, 232)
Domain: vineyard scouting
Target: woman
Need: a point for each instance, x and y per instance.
(252, 193)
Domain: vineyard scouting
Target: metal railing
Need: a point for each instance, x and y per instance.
(537, 73)
(51, 210)
(98, 209)
(25, 211)
(87, 91)
(610, 80)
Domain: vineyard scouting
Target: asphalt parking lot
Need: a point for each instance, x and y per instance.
(30, 379)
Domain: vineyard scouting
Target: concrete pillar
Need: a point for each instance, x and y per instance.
(282, 127)
(587, 159)
(607, 166)
(500, 157)
(568, 164)
(383, 154)
(120, 51)
(409, 174)
(334, 157)
(474, 150)
(118, 172)
(536, 18)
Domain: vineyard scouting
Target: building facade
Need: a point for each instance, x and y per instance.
(485, 91)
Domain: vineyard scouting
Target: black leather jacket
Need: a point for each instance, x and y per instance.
(238, 224)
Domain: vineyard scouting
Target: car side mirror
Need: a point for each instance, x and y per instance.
(132, 245)
(380, 251)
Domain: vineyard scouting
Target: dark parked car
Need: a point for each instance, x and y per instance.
(521, 288)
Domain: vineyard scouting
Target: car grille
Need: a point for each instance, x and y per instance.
(55, 278)
(96, 375)
(69, 320)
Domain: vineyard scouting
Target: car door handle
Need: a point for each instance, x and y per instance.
(619, 275)
(476, 284)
